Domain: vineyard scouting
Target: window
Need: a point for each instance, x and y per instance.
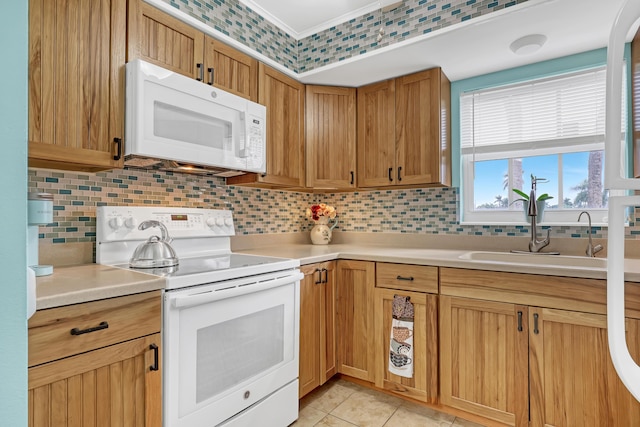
(551, 128)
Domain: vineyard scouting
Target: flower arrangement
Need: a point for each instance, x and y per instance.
(320, 210)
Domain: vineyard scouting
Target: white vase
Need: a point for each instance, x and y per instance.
(321, 232)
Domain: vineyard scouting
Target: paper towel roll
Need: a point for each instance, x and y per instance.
(31, 292)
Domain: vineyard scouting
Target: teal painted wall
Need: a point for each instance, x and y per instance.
(538, 70)
(13, 226)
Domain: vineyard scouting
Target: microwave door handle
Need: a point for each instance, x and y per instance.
(185, 301)
(243, 150)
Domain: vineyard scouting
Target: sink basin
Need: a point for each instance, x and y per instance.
(542, 260)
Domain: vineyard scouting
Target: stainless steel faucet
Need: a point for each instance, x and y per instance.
(535, 245)
(591, 250)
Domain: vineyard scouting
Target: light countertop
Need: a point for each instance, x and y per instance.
(82, 283)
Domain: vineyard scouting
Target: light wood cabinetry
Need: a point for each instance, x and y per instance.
(532, 350)
(484, 358)
(331, 137)
(404, 131)
(76, 84)
(161, 39)
(96, 363)
(355, 321)
(414, 282)
(284, 99)
(317, 326)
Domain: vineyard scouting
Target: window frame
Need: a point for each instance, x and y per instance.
(461, 177)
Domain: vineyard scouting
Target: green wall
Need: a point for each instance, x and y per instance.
(13, 226)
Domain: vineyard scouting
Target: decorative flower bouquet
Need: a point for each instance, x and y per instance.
(315, 212)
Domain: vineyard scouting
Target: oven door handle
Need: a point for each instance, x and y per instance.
(184, 301)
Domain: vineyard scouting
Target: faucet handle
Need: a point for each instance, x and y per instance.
(596, 249)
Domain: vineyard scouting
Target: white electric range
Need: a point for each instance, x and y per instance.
(230, 321)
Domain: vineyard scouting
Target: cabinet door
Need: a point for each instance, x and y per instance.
(354, 330)
(284, 99)
(422, 143)
(376, 134)
(76, 83)
(110, 386)
(424, 383)
(165, 41)
(310, 313)
(232, 70)
(573, 381)
(484, 358)
(317, 326)
(331, 137)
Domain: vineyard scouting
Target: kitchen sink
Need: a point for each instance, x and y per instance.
(540, 259)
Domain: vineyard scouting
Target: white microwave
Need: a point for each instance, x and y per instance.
(171, 117)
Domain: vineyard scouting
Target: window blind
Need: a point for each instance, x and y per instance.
(546, 116)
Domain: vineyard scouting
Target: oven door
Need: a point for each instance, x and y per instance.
(230, 346)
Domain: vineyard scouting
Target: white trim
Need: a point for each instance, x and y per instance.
(552, 217)
(316, 28)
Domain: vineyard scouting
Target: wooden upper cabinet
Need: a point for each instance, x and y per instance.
(164, 40)
(404, 131)
(230, 69)
(331, 137)
(284, 99)
(161, 39)
(76, 83)
(376, 134)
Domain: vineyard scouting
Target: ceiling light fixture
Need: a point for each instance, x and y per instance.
(528, 44)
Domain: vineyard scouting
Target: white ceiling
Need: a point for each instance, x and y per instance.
(302, 18)
(474, 47)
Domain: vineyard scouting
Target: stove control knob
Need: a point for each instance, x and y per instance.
(131, 223)
(211, 222)
(219, 222)
(228, 222)
(116, 222)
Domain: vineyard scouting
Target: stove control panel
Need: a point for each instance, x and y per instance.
(120, 223)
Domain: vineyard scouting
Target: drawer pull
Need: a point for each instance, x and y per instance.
(535, 324)
(408, 279)
(102, 325)
(154, 367)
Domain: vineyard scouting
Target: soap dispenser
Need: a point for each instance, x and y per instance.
(39, 212)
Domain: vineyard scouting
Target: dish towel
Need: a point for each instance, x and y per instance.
(401, 342)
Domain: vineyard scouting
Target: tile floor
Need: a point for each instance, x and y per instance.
(340, 403)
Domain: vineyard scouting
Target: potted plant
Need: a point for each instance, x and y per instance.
(540, 203)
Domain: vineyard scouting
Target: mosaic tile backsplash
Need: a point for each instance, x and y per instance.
(260, 211)
(355, 37)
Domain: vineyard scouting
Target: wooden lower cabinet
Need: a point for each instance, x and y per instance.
(572, 379)
(97, 363)
(423, 385)
(317, 326)
(483, 359)
(106, 387)
(531, 366)
(354, 323)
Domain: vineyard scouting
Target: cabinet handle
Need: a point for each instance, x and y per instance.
(399, 171)
(210, 82)
(118, 142)
(102, 325)
(154, 367)
(535, 324)
(390, 177)
(200, 69)
(352, 178)
(519, 321)
(319, 281)
(326, 275)
(408, 279)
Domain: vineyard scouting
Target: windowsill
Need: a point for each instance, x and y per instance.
(540, 224)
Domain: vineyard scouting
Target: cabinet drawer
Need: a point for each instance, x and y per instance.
(419, 278)
(94, 324)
